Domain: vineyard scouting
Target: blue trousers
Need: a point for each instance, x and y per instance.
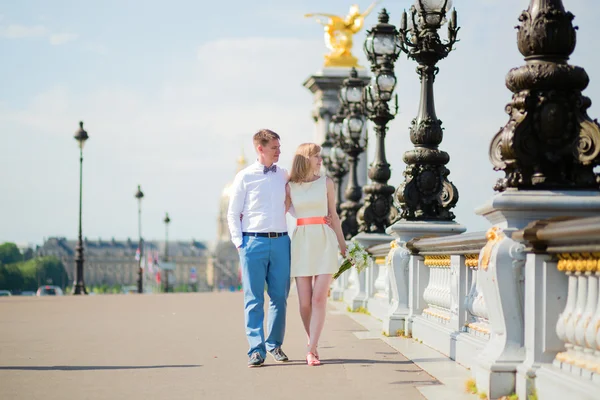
(265, 260)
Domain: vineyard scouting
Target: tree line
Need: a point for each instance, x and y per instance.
(24, 272)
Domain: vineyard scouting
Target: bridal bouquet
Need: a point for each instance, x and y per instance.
(356, 256)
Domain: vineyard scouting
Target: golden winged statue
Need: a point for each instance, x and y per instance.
(338, 34)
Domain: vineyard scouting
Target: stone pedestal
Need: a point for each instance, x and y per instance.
(408, 281)
(502, 273)
(378, 246)
(325, 86)
(339, 285)
(545, 295)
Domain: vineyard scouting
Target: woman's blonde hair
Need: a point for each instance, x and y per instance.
(301, 168)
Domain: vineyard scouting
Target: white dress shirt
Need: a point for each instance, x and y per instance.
(260, 198)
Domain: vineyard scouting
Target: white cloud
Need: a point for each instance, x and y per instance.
(181, 142)
(15, 31)
(62, 38)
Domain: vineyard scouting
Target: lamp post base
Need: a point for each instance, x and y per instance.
(79, 288)
(139, 281)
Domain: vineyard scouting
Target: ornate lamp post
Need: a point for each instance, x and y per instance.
(426, 193)
(139, 195)
(326, 147)
(167, 220)
(337, 164)
(79, 284)
(353, 141)
(549, 141)
(381, 47)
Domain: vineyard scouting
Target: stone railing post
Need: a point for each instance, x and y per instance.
(545, 293)
(398, 272)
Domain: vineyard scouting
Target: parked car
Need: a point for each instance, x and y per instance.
(49, 290)
(129, 289)
(28, 293)
(5, 293)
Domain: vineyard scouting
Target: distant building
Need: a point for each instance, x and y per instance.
(113, 262)
(224, 265)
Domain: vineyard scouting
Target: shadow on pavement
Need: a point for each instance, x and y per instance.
(90, 367)
(326, 361)
(417, 383)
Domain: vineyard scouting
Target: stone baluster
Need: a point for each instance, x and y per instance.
(592, 333)
(477, 320)
(472, 295)
(584, 347)
(579, 323)
(397, 272)
(437, 294)
(381, 288)
(447, 288)
(358, 298)
(581, 296)
(371, 276)
(419, 276)
(565, 318)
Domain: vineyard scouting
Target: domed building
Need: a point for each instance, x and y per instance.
(224, 265)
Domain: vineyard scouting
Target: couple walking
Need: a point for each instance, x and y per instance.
(261, 196)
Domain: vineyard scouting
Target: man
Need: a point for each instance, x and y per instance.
(258, 195)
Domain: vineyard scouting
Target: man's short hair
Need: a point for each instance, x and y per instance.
(263, 137)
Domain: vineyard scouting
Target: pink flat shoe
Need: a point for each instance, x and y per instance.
(316, 354)
(312, 360)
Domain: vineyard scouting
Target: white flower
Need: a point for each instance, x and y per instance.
(356, 256)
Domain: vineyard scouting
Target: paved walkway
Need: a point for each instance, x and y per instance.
(189, 346)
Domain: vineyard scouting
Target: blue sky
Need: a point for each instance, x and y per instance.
(171, 93)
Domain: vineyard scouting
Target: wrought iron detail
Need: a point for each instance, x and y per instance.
(381, 47)
(426, 193)
(549, 142)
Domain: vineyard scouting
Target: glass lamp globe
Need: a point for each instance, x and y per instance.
(432, 11)
(333, 155)
(326, 149)
(432, 5)
(340, 156)
(81, 136)
(337, 129)
(352, 94)
(385, 84)
(353, 127)
(331, 129)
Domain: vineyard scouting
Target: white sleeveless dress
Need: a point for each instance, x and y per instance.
(314, 247)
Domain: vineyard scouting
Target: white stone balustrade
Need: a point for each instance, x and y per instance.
(446, 314)
(437, 293)
(578, 325)
(477, 315)
(562, 309)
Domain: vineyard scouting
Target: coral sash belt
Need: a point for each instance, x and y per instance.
(311, 221)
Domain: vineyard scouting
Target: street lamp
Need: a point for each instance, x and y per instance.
(326, 147)
(139, 195)
(353, 141)
(382, 50)
(166, 259)
(338, 162)
(79, 284)
(549, 142)
(426, 193)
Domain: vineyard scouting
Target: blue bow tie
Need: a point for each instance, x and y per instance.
(272, 168)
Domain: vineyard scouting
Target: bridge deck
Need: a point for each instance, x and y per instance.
(184, 346)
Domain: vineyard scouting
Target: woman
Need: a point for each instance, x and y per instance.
(314, 248)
